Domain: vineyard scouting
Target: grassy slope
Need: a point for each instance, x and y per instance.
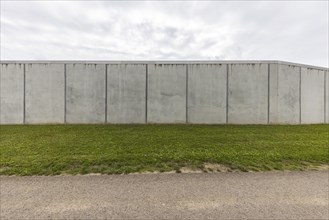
(55, 149)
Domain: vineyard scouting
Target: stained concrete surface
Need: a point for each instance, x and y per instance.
(312, 96)
(259, 92)
(327, 97)
(284, 93)
(166, 95)
(267, 195)
(207, 93)
(85, 93)
(248, 94)
(12, 94)
(45, 93)
(126, 93)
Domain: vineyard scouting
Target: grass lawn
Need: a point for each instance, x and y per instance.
(57, 149)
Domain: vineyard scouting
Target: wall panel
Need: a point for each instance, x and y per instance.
(126, 93)
(45, 93)
(85, 93)
(248, 93)
(284, 94)
(12, 94)
(166, 93)
(312, 96)
(207, 93)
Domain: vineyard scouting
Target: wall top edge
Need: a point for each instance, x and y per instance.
(160, 62)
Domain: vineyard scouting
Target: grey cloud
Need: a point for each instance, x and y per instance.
(292, 31)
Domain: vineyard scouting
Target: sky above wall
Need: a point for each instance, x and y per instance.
(165, 30)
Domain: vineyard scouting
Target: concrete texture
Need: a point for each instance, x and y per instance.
(327, 97)
(85, 93)
(166, 96)
(259, 92)
(126, 93)
(207, 93)
(45, 93)
(12, 94)
(248, 93)
(312, 96)
(268, 195)
(284, 92)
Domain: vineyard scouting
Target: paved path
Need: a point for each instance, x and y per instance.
(271, 195)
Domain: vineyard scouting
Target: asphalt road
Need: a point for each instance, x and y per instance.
(267, 195)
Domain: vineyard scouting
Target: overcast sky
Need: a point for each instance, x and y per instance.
(218, 30)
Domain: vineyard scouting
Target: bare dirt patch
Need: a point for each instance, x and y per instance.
(215, 167)
(208, 168)
(190, 170)
(321, 167)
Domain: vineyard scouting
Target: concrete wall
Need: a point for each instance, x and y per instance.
(205, 92)
(126, 93)
(284, 93)
(166, 94)
(85, 93)
(44, 93)
(312, 96)
(248, 93)
(326, 98)
(12, 94)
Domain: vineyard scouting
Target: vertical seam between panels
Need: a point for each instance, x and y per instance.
(300, 95)
(227, 91)
(325, 101)
(186, 101)
(268, 93)
(24, 95)
(65, 93)
(146, 92)
(106, 93)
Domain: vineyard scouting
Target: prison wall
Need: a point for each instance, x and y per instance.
(204, 92)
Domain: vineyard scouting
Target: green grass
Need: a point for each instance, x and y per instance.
(57, 149)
